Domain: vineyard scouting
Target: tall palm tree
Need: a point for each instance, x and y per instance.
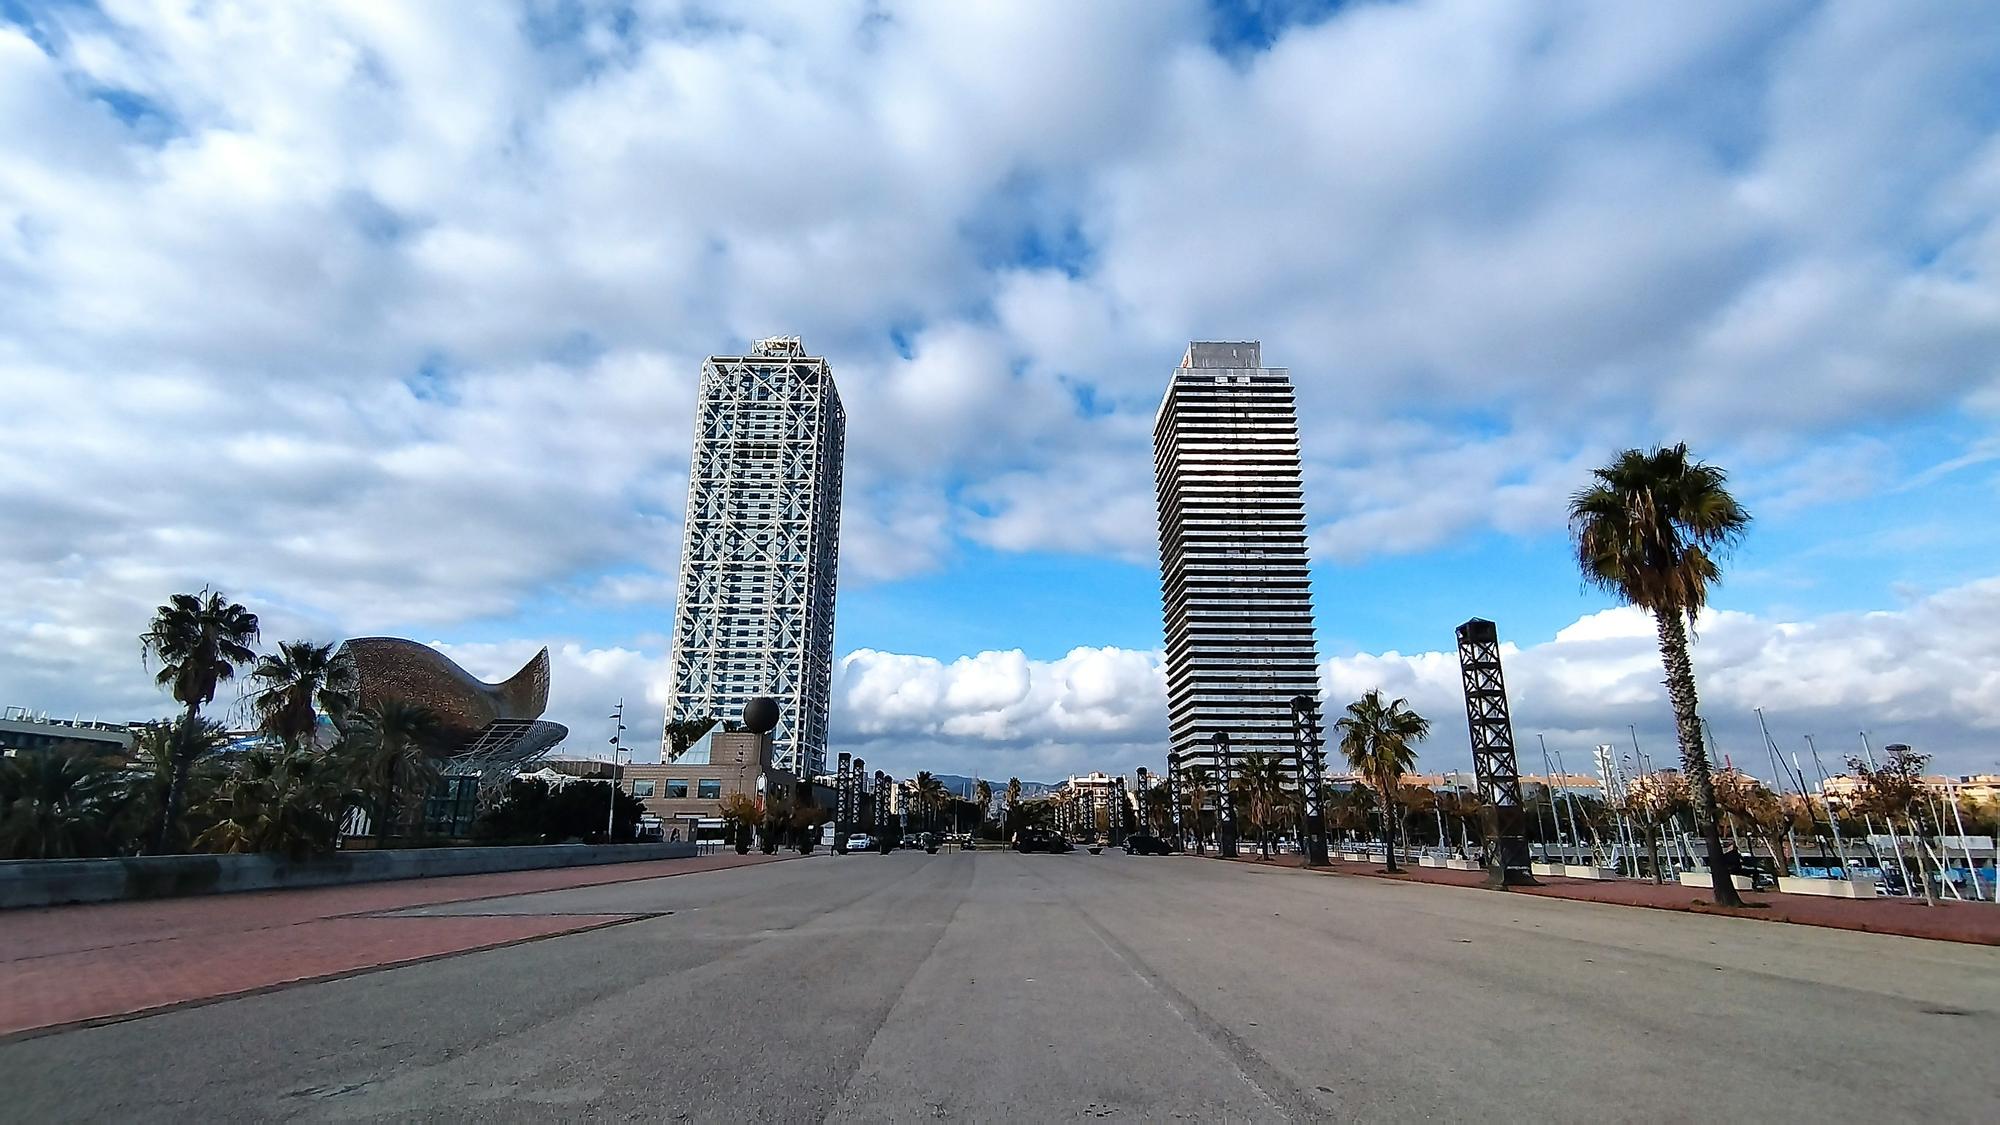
(930, 793)
(1376, 736)
(982, 792)
(302, 680)
(1649, 530)
(1013, 805)
(200, 640)
(391, 744)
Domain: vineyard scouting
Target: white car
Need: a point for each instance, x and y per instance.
(860, 842)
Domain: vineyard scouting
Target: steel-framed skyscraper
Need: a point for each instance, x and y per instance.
(760, 548)
(1233, 578)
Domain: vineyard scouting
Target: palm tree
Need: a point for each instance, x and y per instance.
(57, 805)
(390, 744)
(200, 640)
(299, 682)
(289, 803)
(930, 792)
(982, 791)
(1649, 530)
(1013, 806)
(1376, 737)
(1260, 780)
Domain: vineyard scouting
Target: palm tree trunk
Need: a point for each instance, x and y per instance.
(1694, 757)
(177, 768)
(1388, 829)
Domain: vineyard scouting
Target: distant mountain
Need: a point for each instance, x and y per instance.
(963, 787)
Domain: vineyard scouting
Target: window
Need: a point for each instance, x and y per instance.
(709, 789)
(677, 790)
(642, 788)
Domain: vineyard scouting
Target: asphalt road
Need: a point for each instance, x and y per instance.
(993, 986)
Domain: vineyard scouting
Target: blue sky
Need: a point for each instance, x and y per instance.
(389, 320)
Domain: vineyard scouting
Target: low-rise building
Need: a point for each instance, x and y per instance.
(21, 731)
(686, 794)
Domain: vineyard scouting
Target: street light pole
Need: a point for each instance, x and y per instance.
(617, 744)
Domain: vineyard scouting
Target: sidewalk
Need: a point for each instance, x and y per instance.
(1974, 923)
(61, 965)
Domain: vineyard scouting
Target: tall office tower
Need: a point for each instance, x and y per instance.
(1233, 578)
(760, 549)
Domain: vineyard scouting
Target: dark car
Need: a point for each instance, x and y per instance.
(1141, 843)
(1039, 840)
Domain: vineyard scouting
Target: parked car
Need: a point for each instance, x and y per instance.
(860, 842)
(1040, 840)
(1143, 843)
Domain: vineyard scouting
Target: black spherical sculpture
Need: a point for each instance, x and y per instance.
(760, 715)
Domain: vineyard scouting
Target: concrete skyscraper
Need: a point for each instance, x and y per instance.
(1233, 577)
(760, 549)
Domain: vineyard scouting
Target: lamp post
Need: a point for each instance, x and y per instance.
(617, 744)
(1312, 777)
(1225, 811)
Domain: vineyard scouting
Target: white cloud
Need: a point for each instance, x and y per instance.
(391, 318)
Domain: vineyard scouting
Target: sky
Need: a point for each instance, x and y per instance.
(387, 319)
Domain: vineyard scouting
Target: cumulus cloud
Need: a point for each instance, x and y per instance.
(1927, 674)
(390, 318)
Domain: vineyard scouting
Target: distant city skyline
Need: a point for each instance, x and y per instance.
(393, 325)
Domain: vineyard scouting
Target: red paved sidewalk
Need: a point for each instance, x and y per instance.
(69, 964)
(1974, 923)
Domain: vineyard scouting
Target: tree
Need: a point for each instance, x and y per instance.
(930, 793)
(533, 811)
(739, 812)
(199, 640)
(290, 802)
(174, 763)
(1464, 811)
(1652, 803)
(683, 733)
(1261, 784)
(1013, 807)
(1649, 530)
(298, 683)
(1410, 800)
(390, 747)
(1197, 787)
(57, 804)
(982, 791)
(1891, 791)
(1376, 737)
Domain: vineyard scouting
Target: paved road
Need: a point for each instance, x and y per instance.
(995, 986)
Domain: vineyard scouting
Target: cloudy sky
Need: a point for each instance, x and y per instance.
(387, 319)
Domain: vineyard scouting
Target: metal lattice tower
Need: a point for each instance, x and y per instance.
(1233, 576)
(760, 549)
(1493, 762)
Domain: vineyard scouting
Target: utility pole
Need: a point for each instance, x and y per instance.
(617, 744)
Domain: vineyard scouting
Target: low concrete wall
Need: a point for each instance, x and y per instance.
(1589, 871)
(1858, 886)
(53, 882)
(1704, 879)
